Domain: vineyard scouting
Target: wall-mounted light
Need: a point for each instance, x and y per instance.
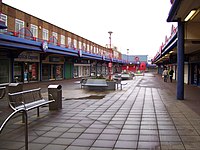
(191, 15)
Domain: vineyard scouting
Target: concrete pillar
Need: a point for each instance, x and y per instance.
(180, 62)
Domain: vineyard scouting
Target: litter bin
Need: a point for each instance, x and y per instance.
(15, 87)
(55, 92)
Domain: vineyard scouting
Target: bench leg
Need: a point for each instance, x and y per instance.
(23, 117)
(38, 111)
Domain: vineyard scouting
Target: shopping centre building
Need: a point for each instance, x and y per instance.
(33, 50)
(181, 50)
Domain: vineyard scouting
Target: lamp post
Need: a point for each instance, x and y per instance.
(127, 67)
(110, 64)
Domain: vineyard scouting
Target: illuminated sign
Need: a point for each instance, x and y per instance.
(44, 46)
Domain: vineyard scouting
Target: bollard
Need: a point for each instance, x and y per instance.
(55, 92)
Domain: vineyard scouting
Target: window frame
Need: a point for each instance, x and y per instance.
(62, 39)
(45, 34)
(4, 18)
(55, 34)
(34, 27)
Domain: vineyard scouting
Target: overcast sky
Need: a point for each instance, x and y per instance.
(137, 25)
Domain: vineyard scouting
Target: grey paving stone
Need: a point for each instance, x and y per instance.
(149, 138)
(77, 148)
(52, 134)
(34, 146)
(128, 137)
(148, 132)
(54, 147)
(126, 144)
(92, 136)
(98, 148)
(192, 145)
(111, 131)
(11, 145)
(76, 130)
(104, 143)
(108, 137)
(128, 131)
(93, 130)
(70, 135)
(63, 141)
(172, 145)
(170, 138)
(44, 140)
(83, 142)
(148, 145)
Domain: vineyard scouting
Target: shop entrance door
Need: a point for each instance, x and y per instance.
(56, 72)
(196, 74)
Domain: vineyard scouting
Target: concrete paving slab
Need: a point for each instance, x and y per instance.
(144, 115)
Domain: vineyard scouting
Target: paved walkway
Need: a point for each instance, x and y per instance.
(144, 115)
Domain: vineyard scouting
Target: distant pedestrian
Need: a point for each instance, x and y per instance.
(171, 72)
(165, 74)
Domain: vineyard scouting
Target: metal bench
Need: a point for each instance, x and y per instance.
(119, 82)
(126, 76)
(28, 100)
(96, 83)
(82, 82)
(2, 92)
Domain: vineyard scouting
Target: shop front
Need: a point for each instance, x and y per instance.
(26, 67)
(93, 68)
(195, 74)
(195, 69)
(99, 68)
(52, 68)
(4, 68)
(82, 68)
(104, 71)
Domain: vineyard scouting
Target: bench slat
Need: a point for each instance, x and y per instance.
(35, 104)
(96, 83)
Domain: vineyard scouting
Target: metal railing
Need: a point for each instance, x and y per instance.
(26, 124)
(22, 110)
(2, 92)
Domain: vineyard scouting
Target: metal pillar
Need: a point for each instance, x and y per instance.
(180, 62)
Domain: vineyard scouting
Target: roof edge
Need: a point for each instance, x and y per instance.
(173, 11)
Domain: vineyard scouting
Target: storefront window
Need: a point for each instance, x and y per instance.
(75, 71)
(18, 77)
(30, 72)
(25, 72)
(194, 75)
(59, 71)
(86, 71)
(4, 73)
(45, 72)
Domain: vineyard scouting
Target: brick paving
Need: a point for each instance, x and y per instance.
(144, 115)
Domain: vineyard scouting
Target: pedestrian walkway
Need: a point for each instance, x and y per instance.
(144, 115)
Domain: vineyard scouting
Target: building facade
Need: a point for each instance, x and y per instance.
(135, 63)
(181, 51)
(33, 50)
